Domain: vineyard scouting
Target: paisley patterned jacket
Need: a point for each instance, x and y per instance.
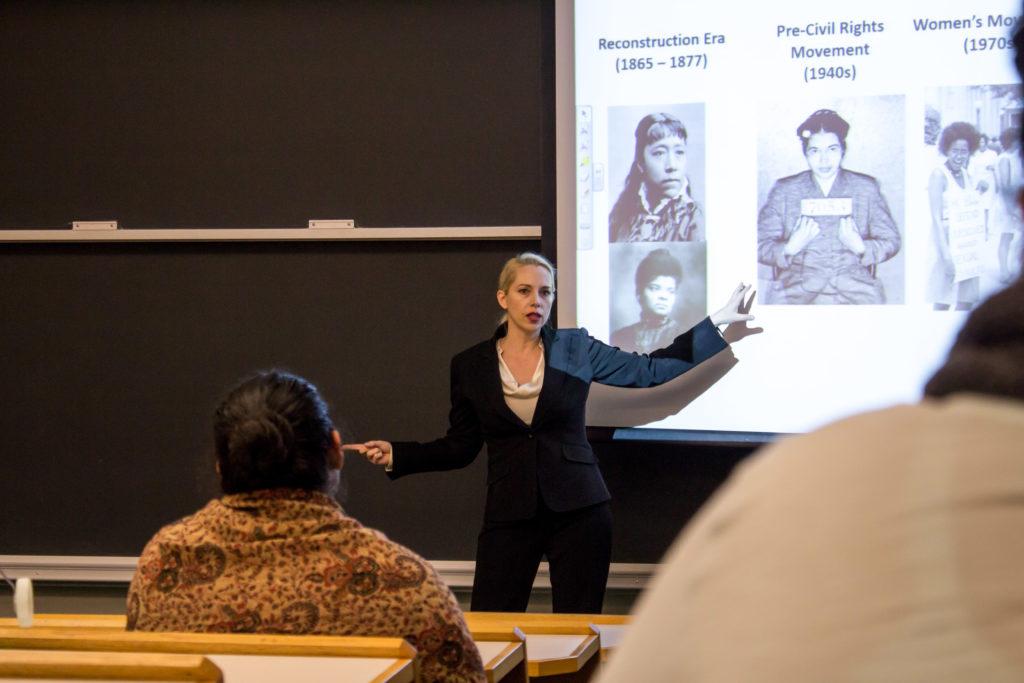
(291, 561)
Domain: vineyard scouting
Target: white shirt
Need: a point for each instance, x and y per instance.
(521, 398)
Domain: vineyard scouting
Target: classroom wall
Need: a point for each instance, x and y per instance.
(266, 114)
(227, 113)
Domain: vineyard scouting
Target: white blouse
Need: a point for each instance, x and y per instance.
(521, 398)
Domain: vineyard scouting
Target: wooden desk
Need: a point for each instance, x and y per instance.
(611, 627)
(243, 657)
(559, 649)
(560, 654)
(111, 666)
(547, 618)
(491, 626)
(611, 637)
(266, 669)
(503, 650)
(502, 646)
(503, 661)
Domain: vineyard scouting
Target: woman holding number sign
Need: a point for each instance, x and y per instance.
(824, 230)
(523, 392)
(958, 221)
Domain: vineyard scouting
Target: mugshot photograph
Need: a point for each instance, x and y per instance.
(657, 293)
(523, 393)
(658, 201)
(824, 231)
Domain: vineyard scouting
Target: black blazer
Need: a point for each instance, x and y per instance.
(549, 458)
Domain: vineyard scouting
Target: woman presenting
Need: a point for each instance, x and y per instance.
(523, 393)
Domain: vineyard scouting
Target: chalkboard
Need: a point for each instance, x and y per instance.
(210, 113)
(114, 356)
(267, 114)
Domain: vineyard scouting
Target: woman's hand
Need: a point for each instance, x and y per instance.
(849, 235)
(736, 309)
(806, 230)
(377, 452)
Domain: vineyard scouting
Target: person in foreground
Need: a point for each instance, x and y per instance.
(277, 554)
(523, 392)
(884, 547)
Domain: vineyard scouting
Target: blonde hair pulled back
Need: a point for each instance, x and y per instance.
(508, 272)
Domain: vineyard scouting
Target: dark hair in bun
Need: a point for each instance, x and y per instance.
(657, 263)
(272, 431)
(986, 357)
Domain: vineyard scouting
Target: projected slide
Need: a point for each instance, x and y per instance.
(857, 162)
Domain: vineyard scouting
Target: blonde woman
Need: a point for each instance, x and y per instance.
(523, 392)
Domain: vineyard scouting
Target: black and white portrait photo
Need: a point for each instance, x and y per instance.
(657, 293)
(656, 173)
(973, 178)
(831, 196)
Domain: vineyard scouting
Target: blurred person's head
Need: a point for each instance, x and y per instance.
(273, 431)
(988, 354)
(657, 279)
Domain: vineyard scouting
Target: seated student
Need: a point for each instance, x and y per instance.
(884, 547)
(277, 554)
